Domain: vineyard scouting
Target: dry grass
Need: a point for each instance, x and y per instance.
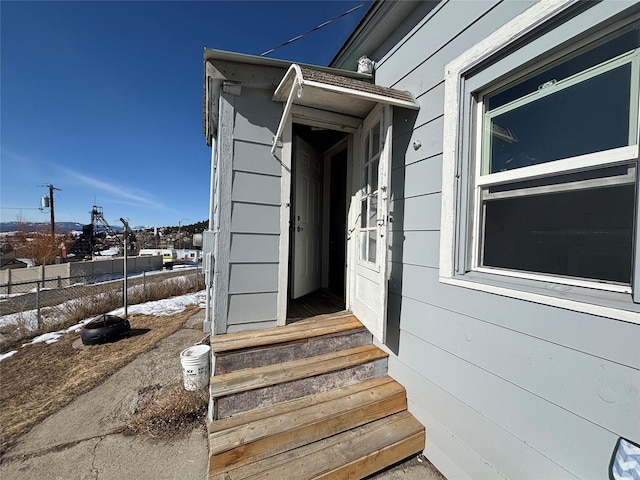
(70, 312)
(168, 412)
(73, 311)
(41, 379)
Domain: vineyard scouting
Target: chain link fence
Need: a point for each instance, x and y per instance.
(51, 303)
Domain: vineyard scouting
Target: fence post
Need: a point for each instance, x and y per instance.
(8, 281)
(59, 281)
(144, 284)
(38, 304)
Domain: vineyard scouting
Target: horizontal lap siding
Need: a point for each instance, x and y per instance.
(255, 213)
(506, 388)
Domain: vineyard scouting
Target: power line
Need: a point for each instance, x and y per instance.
(324, 24)
(19, 208)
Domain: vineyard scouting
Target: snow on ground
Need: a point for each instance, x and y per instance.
(167, 306)
(111, 252)
(8, 354)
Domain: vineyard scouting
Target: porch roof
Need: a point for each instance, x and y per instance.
(334, 93)
(337, 93)
(221, 66)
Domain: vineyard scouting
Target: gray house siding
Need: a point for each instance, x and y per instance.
(246, 292)
(505, 387)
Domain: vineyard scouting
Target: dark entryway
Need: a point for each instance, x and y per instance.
(338, 224)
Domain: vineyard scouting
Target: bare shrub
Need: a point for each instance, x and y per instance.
(40, 247)
(81, 308)
(167, 288)
(168, 412)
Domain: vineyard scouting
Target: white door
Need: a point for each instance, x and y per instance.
(307, 220)
(370, 214)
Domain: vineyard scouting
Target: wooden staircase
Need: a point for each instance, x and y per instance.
(308, 400)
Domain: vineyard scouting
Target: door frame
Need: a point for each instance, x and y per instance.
(353, 267)
(369, 281)
(332, 122)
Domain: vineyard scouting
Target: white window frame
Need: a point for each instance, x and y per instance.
(460, 197)
(376, 118)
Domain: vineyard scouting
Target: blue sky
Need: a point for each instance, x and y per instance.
(103, 99)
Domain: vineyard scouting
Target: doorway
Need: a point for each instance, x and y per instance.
(317, 253)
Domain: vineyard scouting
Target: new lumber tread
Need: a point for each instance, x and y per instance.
(270, 436)
(268, 375)
(355, 453)
(314, 327)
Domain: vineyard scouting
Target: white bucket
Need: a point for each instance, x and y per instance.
(195, 366)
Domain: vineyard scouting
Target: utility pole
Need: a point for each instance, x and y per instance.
(53, 218)
(124, 266)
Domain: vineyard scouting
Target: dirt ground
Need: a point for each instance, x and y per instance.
(116, 411)
(41, 379)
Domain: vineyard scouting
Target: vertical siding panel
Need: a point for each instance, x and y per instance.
(601, 337)
(225, 162)
(602, 392)
(581, 447)
(252, 308)
(255, 212)
(506, 388)
(466, 444)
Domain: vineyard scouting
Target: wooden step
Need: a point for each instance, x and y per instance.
(244, 390)
(353, 454)
(227, 362)
(321, 325)
(306, 338)
(245, 438)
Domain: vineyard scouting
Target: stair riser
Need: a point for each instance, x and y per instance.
(271, 395)
(239, 360)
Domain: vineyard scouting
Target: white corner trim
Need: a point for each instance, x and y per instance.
(598, 310)
(511, 31)
(285, 213)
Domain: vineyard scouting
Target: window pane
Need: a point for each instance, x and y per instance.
(583, 233)
(363, 213)
(364, 180)
(375, 139)
(373, 210)
(374, 176)
(372, 246)
(590, 116)
(568, 67)
(366, 148)
(363, 245)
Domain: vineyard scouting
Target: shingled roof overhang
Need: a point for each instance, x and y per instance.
(334, 93)
(252, 70)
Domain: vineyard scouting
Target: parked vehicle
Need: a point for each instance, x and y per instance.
(168, 254)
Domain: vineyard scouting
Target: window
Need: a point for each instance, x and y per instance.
(574, 219)
(371, 150)
(544, 164)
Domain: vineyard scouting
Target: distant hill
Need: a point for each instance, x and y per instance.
(66, 227)
(61, 227)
